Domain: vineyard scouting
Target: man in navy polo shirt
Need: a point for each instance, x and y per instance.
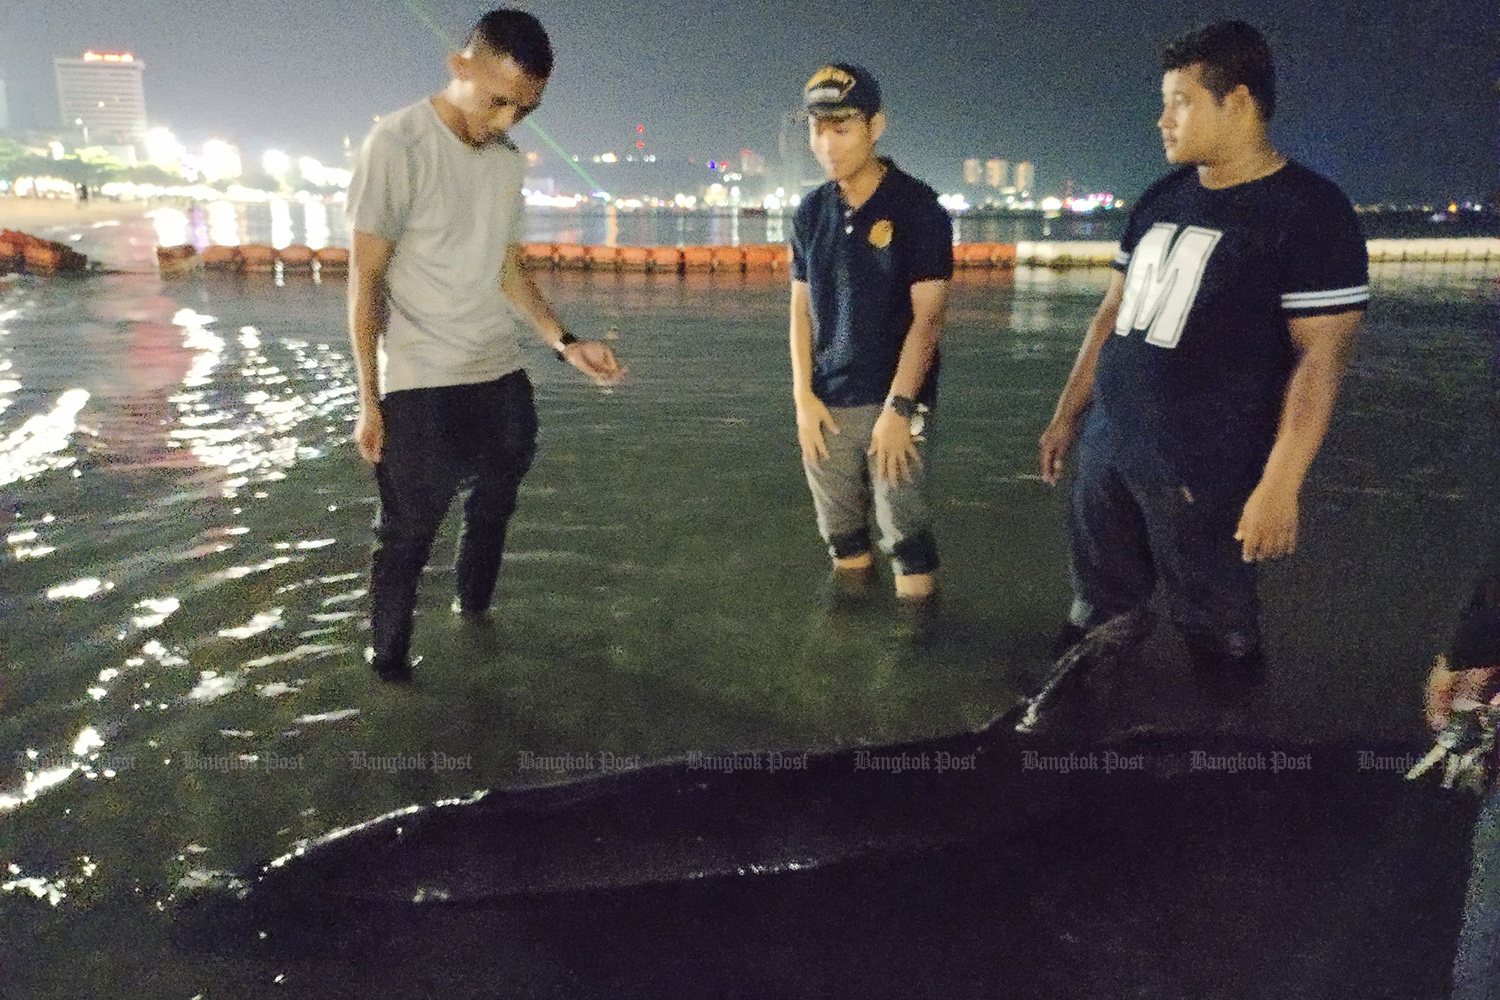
(1207, 379)
(872, 252)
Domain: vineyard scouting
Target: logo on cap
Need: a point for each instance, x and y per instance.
(829, 85)
(841, 89)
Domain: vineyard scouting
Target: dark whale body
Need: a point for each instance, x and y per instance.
(678, 821)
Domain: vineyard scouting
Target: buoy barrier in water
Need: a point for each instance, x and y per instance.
(26, 253)
(21, 252)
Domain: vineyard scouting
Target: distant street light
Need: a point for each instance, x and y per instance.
(276, 163)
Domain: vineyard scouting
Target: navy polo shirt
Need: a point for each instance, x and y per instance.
(859, 267)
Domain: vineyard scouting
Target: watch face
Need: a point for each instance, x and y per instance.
(918, 424)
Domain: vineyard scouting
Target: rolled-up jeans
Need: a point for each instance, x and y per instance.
(846, 485)
(1476, 967)
(437, 441)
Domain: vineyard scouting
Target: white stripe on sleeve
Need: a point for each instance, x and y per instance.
(1327, 297)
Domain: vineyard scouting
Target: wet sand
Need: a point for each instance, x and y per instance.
(30, 214)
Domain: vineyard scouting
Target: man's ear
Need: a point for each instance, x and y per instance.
(460, 65)
(877, 126)
(1240, 101)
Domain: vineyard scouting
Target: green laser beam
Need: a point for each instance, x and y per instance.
(431, 24)
(593, 184)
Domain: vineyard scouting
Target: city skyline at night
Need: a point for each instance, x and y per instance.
(1399, 105)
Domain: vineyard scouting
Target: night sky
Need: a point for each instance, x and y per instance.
(1396, 100)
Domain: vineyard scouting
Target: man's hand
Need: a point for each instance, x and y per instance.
(812, 416)
(1055, 443)
(597, 360)
(1445, 687)
(894, 451)
(1268, 525)
(369, 432)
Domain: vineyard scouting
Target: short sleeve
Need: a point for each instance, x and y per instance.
(380, 191)
(929, 246)
(1134, 227)
(799, 248)
(518, 219)
(1324, 264)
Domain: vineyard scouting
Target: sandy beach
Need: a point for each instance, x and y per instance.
(26, 214)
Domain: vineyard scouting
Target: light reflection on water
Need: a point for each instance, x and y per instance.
(199, 587)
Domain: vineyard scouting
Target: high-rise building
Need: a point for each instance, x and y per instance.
(4, 107)
(973, 171)
(101, 93)
(996, 173)
(752, 164)
(1025, 177)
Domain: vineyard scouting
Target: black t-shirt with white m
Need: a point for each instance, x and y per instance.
(859, 265)
(1196, 369)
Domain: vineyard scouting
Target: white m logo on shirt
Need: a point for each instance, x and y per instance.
(1163, 281)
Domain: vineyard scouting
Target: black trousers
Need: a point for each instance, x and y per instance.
(437, 441)
(1132, 522)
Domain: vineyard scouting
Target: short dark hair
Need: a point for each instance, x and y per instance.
(515, 33)
(1231, 53)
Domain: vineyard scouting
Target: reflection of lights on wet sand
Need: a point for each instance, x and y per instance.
(237, 572)
(19, 550)
(263, 621)
(54, 891)
(315, 221)
(223, 224)
(33, 448)
(154, 612)
(79, 590)
(281, 224)
(212, 686)
(307, 651)
(85, 748)
(334, 716)
(171, 226)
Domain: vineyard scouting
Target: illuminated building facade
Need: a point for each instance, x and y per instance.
(101, 93)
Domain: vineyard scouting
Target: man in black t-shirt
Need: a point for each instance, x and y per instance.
(1207, 379)
(872, 252)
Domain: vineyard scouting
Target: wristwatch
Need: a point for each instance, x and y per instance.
(904, 406)
(562, 342)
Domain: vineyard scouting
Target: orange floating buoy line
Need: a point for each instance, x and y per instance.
(768, 258)
(773, 258)
(23, 252)
(253, 258)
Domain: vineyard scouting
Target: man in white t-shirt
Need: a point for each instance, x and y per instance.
(436, 290)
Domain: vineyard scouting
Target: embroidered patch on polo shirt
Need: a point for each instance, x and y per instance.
(881, 233)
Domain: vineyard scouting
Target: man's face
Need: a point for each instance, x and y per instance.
(1193, 124)
(496, 95)
(843, 145)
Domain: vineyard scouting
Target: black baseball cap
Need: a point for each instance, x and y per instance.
(841, 90)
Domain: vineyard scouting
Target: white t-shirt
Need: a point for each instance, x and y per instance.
(453, 212)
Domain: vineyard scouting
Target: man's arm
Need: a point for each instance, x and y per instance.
(369, 311)
(812, 414)
(594, 358)
(1079, 390)
(891, 442)
(1268, 526)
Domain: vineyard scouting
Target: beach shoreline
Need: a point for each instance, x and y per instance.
(27, 214)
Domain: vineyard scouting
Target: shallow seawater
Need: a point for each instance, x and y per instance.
(185, 529)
